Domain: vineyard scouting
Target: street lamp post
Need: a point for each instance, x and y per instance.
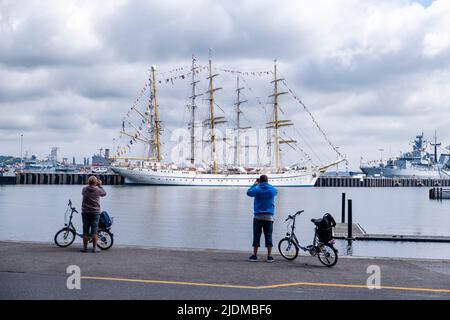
(21, 151)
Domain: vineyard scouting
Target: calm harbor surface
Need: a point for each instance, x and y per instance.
(220, 218)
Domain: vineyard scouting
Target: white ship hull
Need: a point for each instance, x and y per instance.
(190, 178)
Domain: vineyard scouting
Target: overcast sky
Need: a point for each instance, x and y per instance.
(373, 73)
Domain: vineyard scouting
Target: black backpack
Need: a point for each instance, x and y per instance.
(325, 228)
(329, 220)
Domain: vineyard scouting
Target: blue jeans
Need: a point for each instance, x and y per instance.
(90, 223)
(260, 226)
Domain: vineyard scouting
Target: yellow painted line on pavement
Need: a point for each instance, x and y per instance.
(199, 284)
(275, 286)
(354, 286)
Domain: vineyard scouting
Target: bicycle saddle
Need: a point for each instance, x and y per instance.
(316, 221)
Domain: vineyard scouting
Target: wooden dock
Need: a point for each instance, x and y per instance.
(341, 229)
(367, 182)
(7, 180)
(76, 178)
(439, 193)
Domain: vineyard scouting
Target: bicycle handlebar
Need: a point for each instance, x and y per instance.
(72, 208)
(296, 214)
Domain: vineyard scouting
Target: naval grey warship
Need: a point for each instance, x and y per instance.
(418, 163)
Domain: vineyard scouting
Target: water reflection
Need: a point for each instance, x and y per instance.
(349, 248)
(221, 218)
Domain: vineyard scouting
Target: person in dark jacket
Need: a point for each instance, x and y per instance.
(263, 213)
(90, 211)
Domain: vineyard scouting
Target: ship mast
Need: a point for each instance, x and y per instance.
(435, 145)
(276, 124)
(212, 119)
(155, 114)
(237, 160)
(148, 118)
(193, 107)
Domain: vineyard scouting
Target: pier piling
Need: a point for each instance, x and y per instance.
(343, 208)
(382, 182)
(439, 193)
(350, 220)
(63, 178)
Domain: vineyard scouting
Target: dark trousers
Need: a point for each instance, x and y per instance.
(90, 223)
(260, 226)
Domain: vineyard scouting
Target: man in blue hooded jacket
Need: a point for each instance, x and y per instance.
(263, 210)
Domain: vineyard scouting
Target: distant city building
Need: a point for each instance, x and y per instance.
(100, 159)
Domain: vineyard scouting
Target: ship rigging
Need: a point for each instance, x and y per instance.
(153, 169)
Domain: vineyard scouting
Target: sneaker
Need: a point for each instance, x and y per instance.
(83, 250)
(253, 258)
(270, 259)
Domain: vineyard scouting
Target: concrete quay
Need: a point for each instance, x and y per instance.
(38, 271)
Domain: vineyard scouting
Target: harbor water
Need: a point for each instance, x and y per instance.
(221, 218)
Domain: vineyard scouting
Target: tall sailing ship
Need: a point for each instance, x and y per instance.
(153, 171)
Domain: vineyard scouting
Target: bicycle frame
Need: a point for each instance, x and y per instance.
(69, 232)
(71, 226)
(289, 246)
(293, 238)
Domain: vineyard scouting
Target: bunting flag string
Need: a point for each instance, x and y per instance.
(135, 103)
(184, 76)
(120, 151)
(184, 73)
(312, 118)
(258, 99)
(199, 69)
(173, 70)
(308, 158)
(246, 73)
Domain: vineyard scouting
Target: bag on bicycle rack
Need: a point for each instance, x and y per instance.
(105, 221)
(325, 228)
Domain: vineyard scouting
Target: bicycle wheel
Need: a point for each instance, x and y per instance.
(288, 249)
(64, 237)
(105, 239)
(327, 255)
